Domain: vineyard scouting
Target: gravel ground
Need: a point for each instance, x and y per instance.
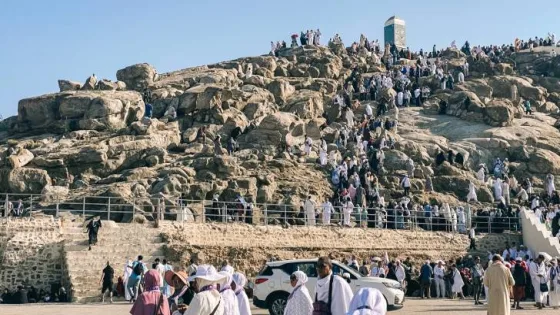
(412, 306)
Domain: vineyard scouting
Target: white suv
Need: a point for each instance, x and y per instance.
(272, 285)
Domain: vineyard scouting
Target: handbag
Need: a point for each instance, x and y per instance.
(320, 307)
(543, 287)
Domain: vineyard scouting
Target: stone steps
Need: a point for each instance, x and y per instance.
(115, 243)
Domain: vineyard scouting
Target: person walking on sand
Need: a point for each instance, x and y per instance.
(499, 281)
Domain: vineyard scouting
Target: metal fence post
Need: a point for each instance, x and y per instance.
(84, 207)
(31, 204)
(6, 206)
(133, 206)
(285, 214)
(57, 209)
(203, 212)
(109, 208)
(265, 214)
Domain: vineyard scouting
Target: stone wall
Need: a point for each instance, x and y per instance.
(31, 251)
(247, 247)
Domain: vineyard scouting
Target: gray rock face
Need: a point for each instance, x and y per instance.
(28, 180)
(93, 110)
(137, 77)
(66, 85)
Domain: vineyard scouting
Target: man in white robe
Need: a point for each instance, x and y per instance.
(309, 208)
(481, 174)
(472, 193)
(537, 271)
(341, 291)
(127, 271)
(327, 212)
(439, 274)
(461, 222)
(308, 145)
(550, 187)
(554, 276)
(238, 286)
(458, 283)
(506, 192)
(400, 273)
(461, 77)
(347, 211)
(231, 306)
(323, 157)
(400, 98)
(498, 189)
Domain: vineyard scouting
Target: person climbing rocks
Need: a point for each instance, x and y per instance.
(92, 229)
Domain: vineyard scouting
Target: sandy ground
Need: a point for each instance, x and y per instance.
(412, 306)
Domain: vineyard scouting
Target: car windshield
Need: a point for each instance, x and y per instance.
(339, 269)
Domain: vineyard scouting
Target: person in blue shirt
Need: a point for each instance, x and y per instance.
(138, 271)
(148, 110)
(426, 274)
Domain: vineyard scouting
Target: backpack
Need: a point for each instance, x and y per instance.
(138, 269)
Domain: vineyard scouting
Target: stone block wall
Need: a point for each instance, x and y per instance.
(31, 252)
(247, 247)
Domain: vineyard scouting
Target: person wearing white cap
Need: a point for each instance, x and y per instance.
(299, 302)
(231, 306)
(439, 274)
(208, 300)
(238, 286)
(537, 270)
(368, 301)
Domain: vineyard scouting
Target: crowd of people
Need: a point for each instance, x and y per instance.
(24, 294)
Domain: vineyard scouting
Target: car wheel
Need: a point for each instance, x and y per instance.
(277, 304)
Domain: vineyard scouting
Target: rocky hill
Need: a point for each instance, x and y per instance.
(91, 139)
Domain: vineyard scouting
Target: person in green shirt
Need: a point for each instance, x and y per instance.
(528, 109)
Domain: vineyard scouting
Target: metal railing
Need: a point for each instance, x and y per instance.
(188, 210)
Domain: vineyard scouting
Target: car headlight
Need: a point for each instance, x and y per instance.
(393, 285)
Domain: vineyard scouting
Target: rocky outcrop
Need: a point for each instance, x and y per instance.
(28, 181)
(138, 77)
(66, 85)
(80, 110)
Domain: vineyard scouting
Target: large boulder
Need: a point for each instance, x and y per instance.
(66, 85)
(85, 110)
(477, 86)
(137, 77)
(22, 158)
(201, 97)
(543, 162)
(273, 129)
(28, 180)
(281, 89)
(306, 104)
(91, 83)
(499, 113)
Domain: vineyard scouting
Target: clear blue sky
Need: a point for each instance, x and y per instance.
(43, 41)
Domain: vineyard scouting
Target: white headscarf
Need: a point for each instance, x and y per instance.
(368, 301)
(226, 283)
(240, 280)
(301, 278)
